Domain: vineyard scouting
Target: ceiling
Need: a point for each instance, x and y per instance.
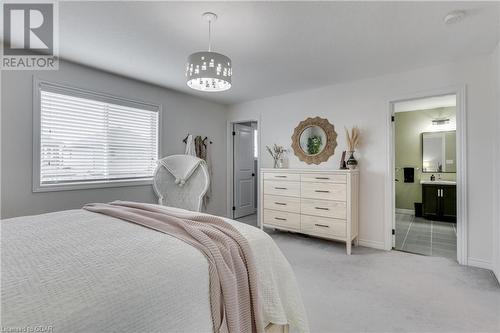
(276, 47)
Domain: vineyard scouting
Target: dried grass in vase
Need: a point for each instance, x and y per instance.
(353, 138)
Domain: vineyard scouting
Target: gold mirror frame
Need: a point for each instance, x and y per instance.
(331, 140)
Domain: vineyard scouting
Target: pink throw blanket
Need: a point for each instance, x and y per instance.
(232, 271)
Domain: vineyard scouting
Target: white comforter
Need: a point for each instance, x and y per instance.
(77, 271)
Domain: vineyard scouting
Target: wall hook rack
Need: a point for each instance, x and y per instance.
(204, 140)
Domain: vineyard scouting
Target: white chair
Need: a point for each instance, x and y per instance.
(186, 189)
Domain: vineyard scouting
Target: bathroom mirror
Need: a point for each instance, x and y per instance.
(314, 140)
(439, 152)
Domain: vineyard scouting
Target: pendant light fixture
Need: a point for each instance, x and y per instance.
(209, 71)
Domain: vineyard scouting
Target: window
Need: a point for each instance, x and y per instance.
(86, 139)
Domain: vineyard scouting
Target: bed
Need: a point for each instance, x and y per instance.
(78, 271)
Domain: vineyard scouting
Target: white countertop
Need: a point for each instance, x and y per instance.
(438, 182)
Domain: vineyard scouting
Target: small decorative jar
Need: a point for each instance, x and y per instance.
(351, 162)
(282, 163)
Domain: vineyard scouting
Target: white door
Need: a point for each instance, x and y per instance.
(244, 173)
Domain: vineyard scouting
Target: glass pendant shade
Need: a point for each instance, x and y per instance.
(208, 71)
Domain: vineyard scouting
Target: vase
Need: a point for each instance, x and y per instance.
(351, 162)
(279, 163)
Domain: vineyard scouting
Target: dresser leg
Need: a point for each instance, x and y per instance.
(348, 248)
(356, 242)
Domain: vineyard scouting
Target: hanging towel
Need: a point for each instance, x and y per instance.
(201, 147)
(409, 175)
(181, 166)
(202, 152)
(190, 149)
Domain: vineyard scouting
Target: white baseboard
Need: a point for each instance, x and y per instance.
(479, 263)
(373, 244)
(405, 211)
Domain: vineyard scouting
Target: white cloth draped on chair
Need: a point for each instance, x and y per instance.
(190, 147)
(181, 181)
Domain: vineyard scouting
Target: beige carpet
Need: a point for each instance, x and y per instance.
(379, 291)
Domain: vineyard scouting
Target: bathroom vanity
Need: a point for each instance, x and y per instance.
(439, 199)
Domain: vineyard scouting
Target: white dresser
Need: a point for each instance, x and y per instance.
(321, 203)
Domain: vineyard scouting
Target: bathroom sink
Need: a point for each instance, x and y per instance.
(438, 182)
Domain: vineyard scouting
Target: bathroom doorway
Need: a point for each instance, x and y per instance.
(244, 172)
(425, 176)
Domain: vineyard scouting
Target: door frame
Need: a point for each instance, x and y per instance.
(230, 166)
(461, 130)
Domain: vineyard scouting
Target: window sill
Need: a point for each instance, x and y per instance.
(91, 185)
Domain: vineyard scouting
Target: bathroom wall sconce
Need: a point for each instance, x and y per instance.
(439, 122)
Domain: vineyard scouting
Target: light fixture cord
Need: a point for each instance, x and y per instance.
(209, 35)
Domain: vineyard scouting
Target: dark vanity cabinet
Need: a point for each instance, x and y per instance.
(439, 202)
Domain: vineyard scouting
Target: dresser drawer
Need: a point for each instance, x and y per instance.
(324, 227)
(324, 178)
(282, 176)
(282, 219)
(278, 202)
(287, 188)
(325, 191)
(325, 208)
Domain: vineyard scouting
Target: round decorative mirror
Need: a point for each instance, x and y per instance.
(314, 140)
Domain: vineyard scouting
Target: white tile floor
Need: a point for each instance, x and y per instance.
(432, 238)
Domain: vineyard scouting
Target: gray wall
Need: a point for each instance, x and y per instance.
(496, 205)
(181, 114)
(366, 103)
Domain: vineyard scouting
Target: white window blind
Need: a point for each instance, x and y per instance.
(91, 139)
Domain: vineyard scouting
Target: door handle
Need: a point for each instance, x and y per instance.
(279, 176)
(280, 219)
(280, 203)
(280, 188)
(253, 174)
(325, 178)
(322, 225)
(322, 191)
(322, 208)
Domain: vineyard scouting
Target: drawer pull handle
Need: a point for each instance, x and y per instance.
(280, 188)
(322, 225)
(322, 191)
(322, 208)
(280, 176)
(280, 219)
(280, 203)
(325, 178)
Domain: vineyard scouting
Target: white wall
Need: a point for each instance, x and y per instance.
(181, 114)
(365, 103)
(496, 233)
